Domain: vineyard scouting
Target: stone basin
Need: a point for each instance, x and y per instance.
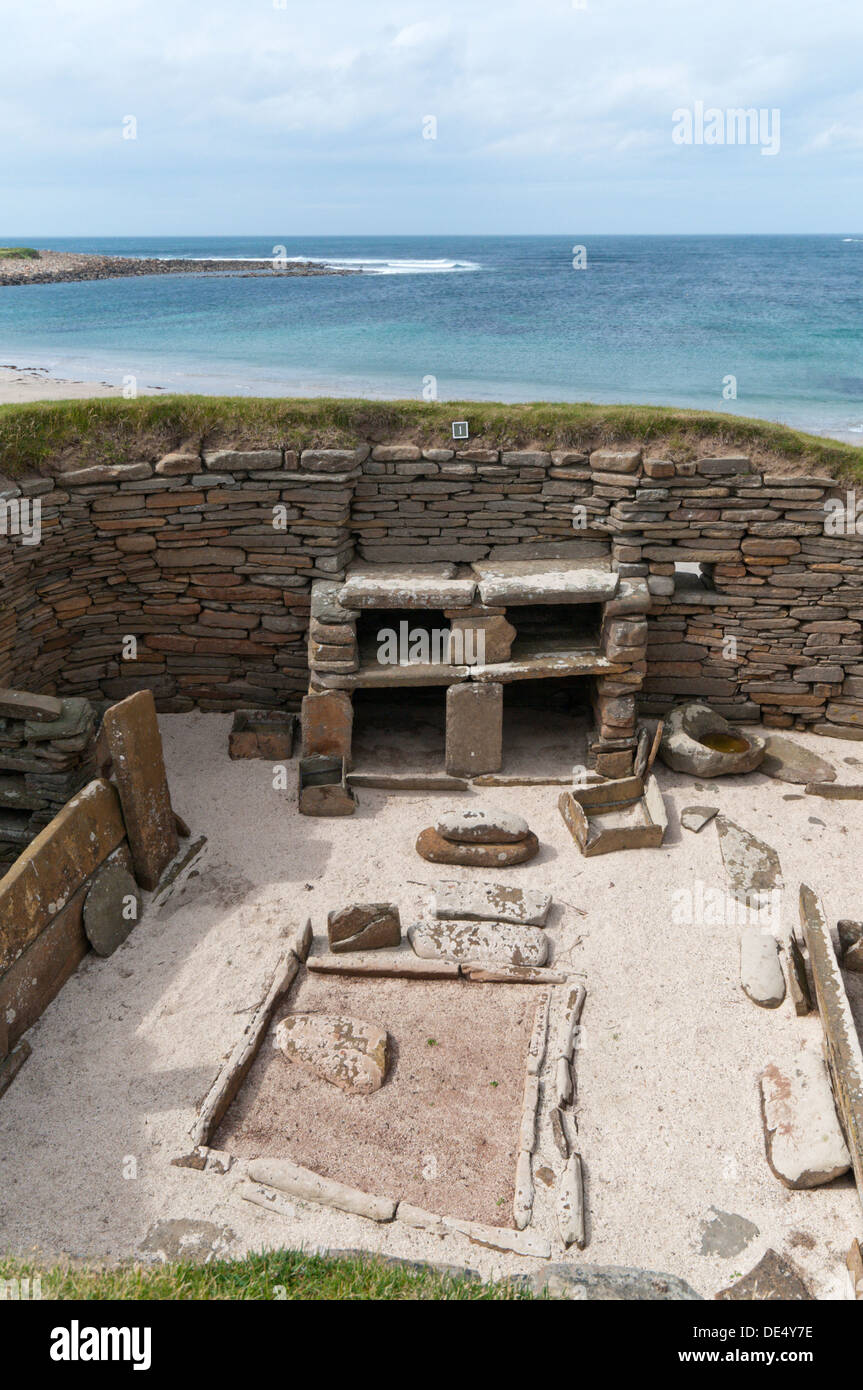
(698, 740)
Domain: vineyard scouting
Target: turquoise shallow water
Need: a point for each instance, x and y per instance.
(663, 320)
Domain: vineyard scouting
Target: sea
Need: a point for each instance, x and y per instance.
(765, 326)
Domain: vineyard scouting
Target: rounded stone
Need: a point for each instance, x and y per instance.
(348, 1052)
(112, 908)
(699, 741)
(437, 850)
(482, 825)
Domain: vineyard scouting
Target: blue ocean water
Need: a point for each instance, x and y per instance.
(661, 319)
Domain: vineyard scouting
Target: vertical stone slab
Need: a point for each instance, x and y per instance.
(842, 1049)
(28, 987)
(135, 744)
(328, 722)
(474, 728)
(43, 880)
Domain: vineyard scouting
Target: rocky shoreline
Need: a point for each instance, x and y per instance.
(53, 267)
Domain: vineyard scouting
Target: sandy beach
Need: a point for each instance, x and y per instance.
(19, 385)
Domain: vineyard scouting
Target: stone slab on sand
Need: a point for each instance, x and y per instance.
(437, 850)
(364, 927)
(752, 866)
(310, 1186)
(772, 1280)
(788, 761)
(760, 968)
(492, 943)
(805, 1145)
(492, 902)
(349, 1052)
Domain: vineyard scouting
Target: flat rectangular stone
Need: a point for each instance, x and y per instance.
(615, 460)
(501, 1238)
(474, 728)
(414, 586)
(231, 460)
(835, 791)
(408, 781)
(19, 704)
(483, 973)
(325, 606)
(535, 581)
(842, 1043)
(107, 473)
(332, 460)
(131, 731)
(401, 966)
(284, 1176)
(539, 665)
(44, 878)
(372, 674)
(494, 902)
(39, 973)
(327, 724)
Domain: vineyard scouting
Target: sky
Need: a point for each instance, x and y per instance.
(548, 116)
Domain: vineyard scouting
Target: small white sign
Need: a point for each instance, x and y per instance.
(459, 429)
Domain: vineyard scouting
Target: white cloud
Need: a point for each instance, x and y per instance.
(225, 87)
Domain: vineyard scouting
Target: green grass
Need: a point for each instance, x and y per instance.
(36, 437)
(283, 1274)
(18, 253)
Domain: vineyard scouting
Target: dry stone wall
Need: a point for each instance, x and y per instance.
(207, 562)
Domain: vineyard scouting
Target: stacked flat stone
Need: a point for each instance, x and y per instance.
(481, 837)
(47, 753)
(333, 646)
(789, 595)
(182, 553)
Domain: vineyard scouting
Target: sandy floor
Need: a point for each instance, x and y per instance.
(443, 1130)
(391, 736)
(671, 1050)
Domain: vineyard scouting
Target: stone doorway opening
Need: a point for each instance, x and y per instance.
(399, 730)
(547, 725)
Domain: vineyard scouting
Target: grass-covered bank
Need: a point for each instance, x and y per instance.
(273, 1275)
(47, 435)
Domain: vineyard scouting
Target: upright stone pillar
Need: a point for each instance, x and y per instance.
(328, 721)
(474, 728)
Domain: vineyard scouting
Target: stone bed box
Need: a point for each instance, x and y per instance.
(620, 814)
(262, 733)
(323, 788)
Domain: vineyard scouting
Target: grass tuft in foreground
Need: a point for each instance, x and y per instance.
(272, 1275)
(18, 253)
